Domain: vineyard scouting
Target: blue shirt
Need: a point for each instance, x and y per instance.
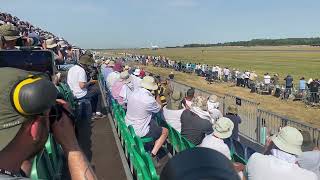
(302, 84)
(106, 71)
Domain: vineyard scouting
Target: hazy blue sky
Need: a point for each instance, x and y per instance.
(138, 23)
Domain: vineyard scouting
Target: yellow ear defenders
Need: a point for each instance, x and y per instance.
(33, 95)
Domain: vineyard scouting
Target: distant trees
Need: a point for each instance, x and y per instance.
(263, 42)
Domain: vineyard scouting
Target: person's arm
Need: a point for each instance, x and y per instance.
(63, 131)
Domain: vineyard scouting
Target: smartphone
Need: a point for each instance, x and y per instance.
(30, 60)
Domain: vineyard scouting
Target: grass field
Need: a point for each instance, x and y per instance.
(297, 61)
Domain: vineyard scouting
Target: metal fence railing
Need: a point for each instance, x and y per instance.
(257, 124)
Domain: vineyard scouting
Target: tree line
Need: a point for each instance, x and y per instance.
(263, 42)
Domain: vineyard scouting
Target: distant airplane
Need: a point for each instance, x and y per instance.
(154, 47)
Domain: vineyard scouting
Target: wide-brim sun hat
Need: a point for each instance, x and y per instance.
(9, 32)
(126, 67)
(107, 62)
(125, 77)
(289, 139)
(51, 43)
(148, 82)
(223, 128)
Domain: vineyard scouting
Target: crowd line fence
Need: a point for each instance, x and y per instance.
(257, 124)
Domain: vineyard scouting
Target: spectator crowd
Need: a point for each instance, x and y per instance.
(306, 90)
(288, 154)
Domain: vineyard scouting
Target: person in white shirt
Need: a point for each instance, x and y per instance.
(213, 107)
(279, 160)
(141, 105)
(173, 110)
(113, 76)
(267, 79)
(226, 73)
(81, 89)
(222, 129)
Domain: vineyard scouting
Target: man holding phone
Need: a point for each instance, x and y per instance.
(81, 87)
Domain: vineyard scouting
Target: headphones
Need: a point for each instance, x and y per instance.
(33, 95)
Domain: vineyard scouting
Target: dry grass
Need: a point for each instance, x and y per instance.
(294, 110)
(298, 61)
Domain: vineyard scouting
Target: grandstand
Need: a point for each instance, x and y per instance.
(110, 147)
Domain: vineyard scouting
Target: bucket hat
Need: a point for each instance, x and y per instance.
(289, 139)
(223, 128)
(9, 32)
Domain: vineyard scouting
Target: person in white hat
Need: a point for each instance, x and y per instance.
(141, 105)
(279, 160)
(51, 44)
(113, 76)
(222, 129)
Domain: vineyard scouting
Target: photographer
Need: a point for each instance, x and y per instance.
(51, 44)
(26, 121)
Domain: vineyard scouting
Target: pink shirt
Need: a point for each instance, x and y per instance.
(115, 91)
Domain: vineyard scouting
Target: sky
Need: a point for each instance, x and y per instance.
(140, 23)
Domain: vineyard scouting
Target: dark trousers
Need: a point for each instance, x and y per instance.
(94, 95)
(314, 97)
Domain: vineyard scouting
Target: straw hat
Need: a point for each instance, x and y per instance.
(223, 128)
(107, 62)
(232, 109)
(125, 77)
(289, 139)
(51, 43)
(200, 102)
(175, 101)
(149, 83)
(137, 72)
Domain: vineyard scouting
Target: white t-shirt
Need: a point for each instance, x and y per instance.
(136, 81)
(267, 79)
(112, 78)
(266, 167)
(226, 72)
(77, 74)
(173, 117)
(141, 105)
(216, 144)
